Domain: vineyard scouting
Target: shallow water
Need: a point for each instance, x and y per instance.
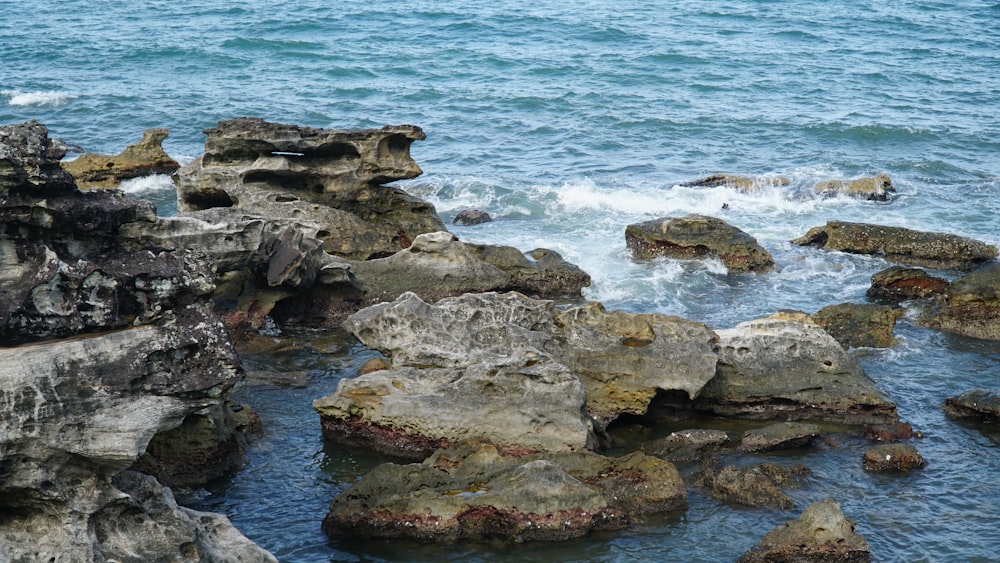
(568, 122)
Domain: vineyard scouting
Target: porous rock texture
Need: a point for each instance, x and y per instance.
(546, 380)
(473, 491)
(104, 344)
(970, 306)
(741, 183)
(696, 236)
(145, 158)
(872, 188)
(896, 284)
(897, 244)
(978, 405)
(858, 325)
(820, 534)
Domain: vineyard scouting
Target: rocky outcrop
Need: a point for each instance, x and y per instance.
(820, 534)
(332, 181)
(776, 368)
(741, 183)
(898, 244)
(859, 325)
(106, 344)
(541, 376)
(145, 158)
(873, 188)
(979, 405)
(970, 306)
(784, 435)
(759, 486)
(468, 217)
(697, 236)
(539, 273)
(896, 284)
(473, 491)
(893, 457)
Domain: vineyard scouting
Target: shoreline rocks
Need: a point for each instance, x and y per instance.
(872, 188)
(145, 158)
(896, 284)
(696, 236)
(978, 405)
(970, 306)
(821, 533)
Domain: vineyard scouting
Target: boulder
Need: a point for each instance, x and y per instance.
(859, 325)
(473, 491)
(740, 183)
(106, 344)
(539, 273)
(896, 284)
(332, 179)
(784, 435)
(820, 534)
(874, 188)
(893, 457)
(686, 445)
(898, 244)
(758, 485)
(145, 158)
(471, 217)
(970, 306)
(979, 405)
(790, 370)
(696, 236)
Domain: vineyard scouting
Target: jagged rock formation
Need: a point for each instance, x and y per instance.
(896, 284)
(898, 244)
(820, 534)
(696, 236)
(104, 345)
(970, 306)
(145, 158)
(873, 188)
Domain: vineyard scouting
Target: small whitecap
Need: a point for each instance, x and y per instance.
(148, 184)
(41, 98)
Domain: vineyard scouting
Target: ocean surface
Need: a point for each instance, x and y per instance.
(568, 121)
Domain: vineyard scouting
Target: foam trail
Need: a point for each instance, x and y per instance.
(40, 98)
(148, 184)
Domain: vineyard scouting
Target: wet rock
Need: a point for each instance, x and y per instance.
(821, 533)
(897, 244)
(472, 491)
(874, 188)
(758, 485)
(890, 432)
(696, 236)
(859, 325)
(145, 158)
(970, 306)
(896, 284)
(893, 457)
(29, 161)
(741, 183)
(539, 273)
(686, 445)
(783, 369)
(980, 405)
(784, 435)
(471, 217)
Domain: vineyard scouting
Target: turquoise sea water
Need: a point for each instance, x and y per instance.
(568, 121)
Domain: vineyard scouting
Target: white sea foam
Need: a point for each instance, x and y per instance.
(147, 184)
(40, 98)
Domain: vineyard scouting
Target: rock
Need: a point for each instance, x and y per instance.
(784, 435)
(897, 244)
(893, 457)
(331, 179)
(980, 405)
(890, 432)
(874, 188)
(752, 486)
(820, 534)
(145, 158)
(970, 306)
(540, 273)
(896, 284)
(686, 445)
(106, 344)
(471, 217)
(741, 183)
(859, 325)
(696, 236)
(781, 369)
(472, 491)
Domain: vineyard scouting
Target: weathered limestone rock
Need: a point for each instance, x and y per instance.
(893, 457)
(758, 485)
(896, 284)
(102, 345)
(695, 236)
(874, 188)
(686, 445)
(820, 534)
(970, 306)
(897, 244)
(471, 217)
(979, 405)
(472, 491)
(330, 178)
(859, 325)
(784, 435)
(782, 369)
(741, 183)
(539, 273)
(145, 158)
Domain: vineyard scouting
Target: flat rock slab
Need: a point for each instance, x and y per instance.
(980, 405)
(686, 445)
(784, 435)
(859, 325)
(697, 236)
(820, 534)
(896, 284)
(758, 486)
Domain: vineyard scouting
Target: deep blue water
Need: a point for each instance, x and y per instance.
(569, 121)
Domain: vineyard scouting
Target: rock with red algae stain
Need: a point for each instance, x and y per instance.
(697, 236)
(820, 534)
(893, 457)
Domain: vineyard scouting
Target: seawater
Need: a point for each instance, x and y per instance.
(567, 122)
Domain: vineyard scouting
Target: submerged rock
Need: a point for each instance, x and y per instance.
(145, 158)
(859, 325)
(820, 534)
(686, 445)
(970, 306)
(893, 457)
(895, 284)
(874, 188)
(758, 485)
(898, 244)
(784, 435)
(696, 236)
(741, 183)
(979, 405)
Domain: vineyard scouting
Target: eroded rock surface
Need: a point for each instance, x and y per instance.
(893, 457)
(979, 405)
(895, 284)
(820, 534)
(970, 306)
(859, 325)
(145, 158)
(759, 485)
(741, 183)
(696, 236)
(874, 188)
